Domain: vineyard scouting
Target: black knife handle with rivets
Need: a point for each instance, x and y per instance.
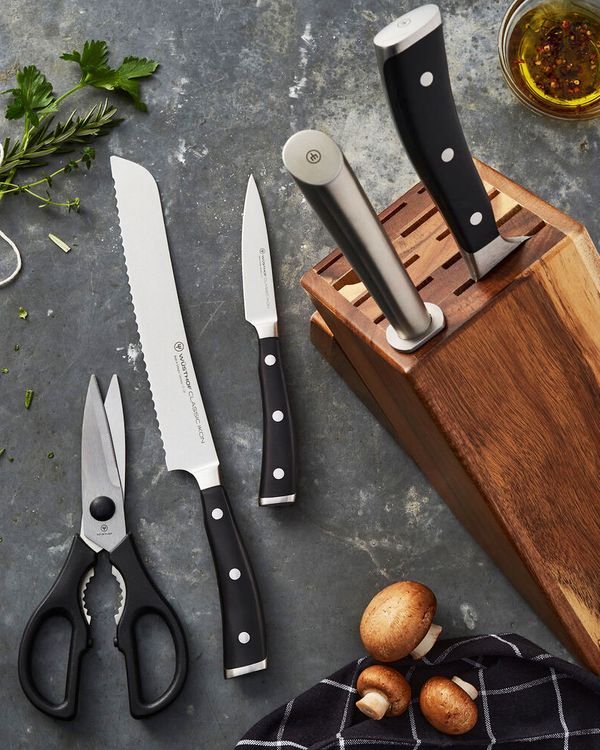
(244, 642)
(418, 88)
(64, 601)
(278, 474)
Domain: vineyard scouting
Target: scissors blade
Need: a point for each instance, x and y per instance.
(113, 406)
(99, 476)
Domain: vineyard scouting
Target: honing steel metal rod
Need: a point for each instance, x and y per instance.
(328, 183)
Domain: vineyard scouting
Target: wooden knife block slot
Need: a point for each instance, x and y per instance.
(501, 411)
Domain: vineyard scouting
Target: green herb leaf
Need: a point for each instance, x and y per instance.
(4, 370)
(88, 155)
(23, 313)
(32, 97)
(28, 398)
(95, 71)
(51, 455)
(2, 452)
(92, 59)
(125, 78)
(17, 347)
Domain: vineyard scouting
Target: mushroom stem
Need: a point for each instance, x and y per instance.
(425, 646)
(469, 689)
(373, 704)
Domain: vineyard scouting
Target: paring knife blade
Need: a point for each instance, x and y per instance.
(414, 71)
(182, 420)
(278, 473)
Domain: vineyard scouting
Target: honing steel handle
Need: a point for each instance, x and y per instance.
(278, 473)
(244, 642)
(143, 598)
(414, 70)
(322, 173)
(63, 600)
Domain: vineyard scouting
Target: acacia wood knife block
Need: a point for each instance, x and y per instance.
(501, 411)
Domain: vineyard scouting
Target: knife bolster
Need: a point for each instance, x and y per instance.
(499, 410)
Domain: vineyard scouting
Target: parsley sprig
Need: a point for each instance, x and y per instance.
(33, 100)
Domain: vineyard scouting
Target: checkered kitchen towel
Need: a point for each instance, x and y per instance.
(528, 699)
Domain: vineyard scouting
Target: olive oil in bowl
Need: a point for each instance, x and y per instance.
(550, 53)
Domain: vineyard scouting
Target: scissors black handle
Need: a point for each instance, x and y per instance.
(143, 598)
(63, 600)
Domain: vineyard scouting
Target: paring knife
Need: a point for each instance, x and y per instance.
(414, 71)
(278, 473)
(182, 420)
(330, 186)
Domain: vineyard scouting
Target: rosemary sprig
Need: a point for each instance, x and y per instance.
(45, 140)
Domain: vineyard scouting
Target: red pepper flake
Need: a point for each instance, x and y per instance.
(558, 52)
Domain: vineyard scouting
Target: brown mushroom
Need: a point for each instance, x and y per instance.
(384, 692)
(398, 622)
(448, 705)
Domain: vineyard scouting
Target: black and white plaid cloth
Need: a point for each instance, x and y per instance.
(527, 699)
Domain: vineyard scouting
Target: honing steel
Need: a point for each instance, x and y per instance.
(414, 71)
(278, 473)
(322, 173)
(182, 420)
(102, 528)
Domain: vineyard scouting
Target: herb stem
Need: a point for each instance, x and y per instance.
(13, 188)
(62, 97)
(49, 202)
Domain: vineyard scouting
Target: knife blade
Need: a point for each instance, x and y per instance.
(278, 472)
(414, 71)
(182, 420)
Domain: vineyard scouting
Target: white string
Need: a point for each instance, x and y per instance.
(15, 249)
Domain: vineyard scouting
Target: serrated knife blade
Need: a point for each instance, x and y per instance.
(182, 419)
(181, 415)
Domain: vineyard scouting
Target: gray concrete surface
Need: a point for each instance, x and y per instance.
(237, 78)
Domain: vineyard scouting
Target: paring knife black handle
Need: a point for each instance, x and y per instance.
(420, 97)
(62, 600)
(244, 643)
(143, 598)
(278, 473)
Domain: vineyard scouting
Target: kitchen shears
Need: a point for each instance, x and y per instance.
(102, 528)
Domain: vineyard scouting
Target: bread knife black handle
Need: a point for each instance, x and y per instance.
(244, 642)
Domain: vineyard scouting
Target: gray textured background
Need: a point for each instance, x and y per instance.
(237, 78)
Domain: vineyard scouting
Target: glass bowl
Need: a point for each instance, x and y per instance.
(513, 38)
